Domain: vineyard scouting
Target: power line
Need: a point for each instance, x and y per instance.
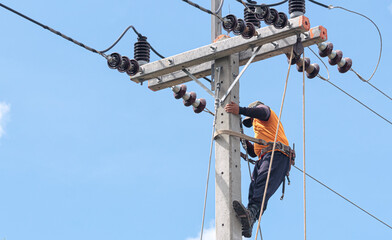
(55, 32)
(330, 189)
(360, 102)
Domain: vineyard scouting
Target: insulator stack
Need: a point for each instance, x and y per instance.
(335, 57)
(249, 31)
(262, 12)
(142, 50)
(241, 25)
(229, 22)
(189, 98)
(272, 17)
(312, 70)
(250, 17)
(296, 8)
(123, 64)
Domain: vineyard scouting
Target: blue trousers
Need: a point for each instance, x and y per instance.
(280, 166)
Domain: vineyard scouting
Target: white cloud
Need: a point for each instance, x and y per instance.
(4, 110)
(208, 234)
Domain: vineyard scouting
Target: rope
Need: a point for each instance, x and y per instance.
(273, 148)
(330, 189)
(203, 9)
(209, 161)
(303, 122)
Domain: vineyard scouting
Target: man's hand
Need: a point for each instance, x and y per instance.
(232, 108)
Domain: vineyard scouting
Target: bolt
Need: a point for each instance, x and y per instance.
(171, 62)
(213, 49)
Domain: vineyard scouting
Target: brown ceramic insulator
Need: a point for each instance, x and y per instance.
(241, 25)
(229, 22)
(190, 100)
(134, 67)
(315, 70)
(282, 20)
(181, 92)
(201, 106)
(347, 66)
(249, 31)
(273, 17)
(337, 58)
(114, 60)
(327, 50)
(124, 65)
(300, 63)
(262, 12)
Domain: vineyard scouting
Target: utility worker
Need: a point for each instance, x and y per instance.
(264, 122)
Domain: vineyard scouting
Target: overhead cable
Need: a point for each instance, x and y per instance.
(375, 25)
(360, 102)
(55, 32)
(346, 199)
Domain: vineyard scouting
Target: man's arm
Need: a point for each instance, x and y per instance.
(261, 112)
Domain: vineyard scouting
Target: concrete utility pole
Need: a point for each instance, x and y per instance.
(224, 58)
(227, 148)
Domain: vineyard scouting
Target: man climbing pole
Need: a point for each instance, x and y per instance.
(264, 122)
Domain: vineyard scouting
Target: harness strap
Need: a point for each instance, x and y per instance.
(279, 146)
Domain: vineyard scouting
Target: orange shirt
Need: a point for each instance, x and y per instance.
(266, 130)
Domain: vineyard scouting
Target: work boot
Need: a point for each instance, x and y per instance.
(246, 216)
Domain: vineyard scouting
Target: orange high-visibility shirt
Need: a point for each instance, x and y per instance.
(266, 130)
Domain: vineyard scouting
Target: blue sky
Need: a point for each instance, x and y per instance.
(87, 154)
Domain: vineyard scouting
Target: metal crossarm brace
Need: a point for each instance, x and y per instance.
(220, 49)
(313, 36)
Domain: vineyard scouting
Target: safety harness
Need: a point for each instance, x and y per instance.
(290, 152)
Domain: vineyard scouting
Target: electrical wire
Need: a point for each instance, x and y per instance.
(360, 102)
(220, 7)
(259, 5)
(346, 199)
(375, 25)
(209, 162)
(54, 31)
(203, 9)
(303, 124)
(379, 33)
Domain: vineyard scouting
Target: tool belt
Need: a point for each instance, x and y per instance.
(279, 146)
